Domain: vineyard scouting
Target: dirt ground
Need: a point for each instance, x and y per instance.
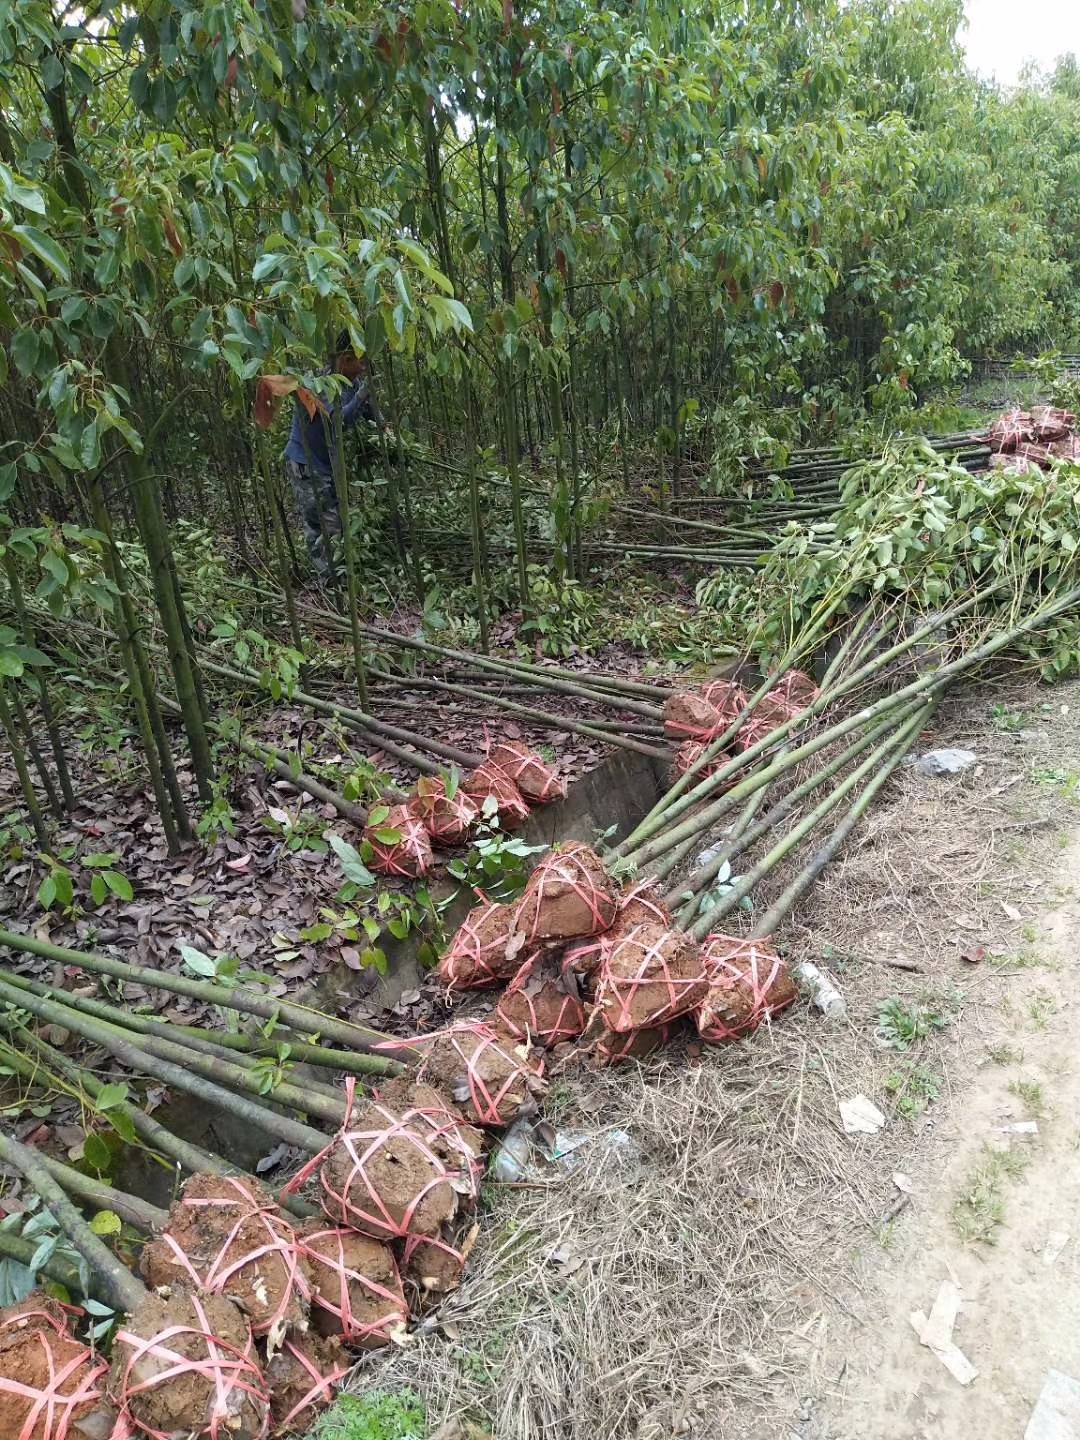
(725, 1262)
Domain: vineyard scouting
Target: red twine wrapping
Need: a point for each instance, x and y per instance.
(569, 896)
(536, 780)
(433, 1263)
(380, 1176)
(489, 783)
(342, 1290)
(74, 1375)
(688, 755)
(748, 983)
(648, 978)
(448, 819)
(252, 1214)
(483, 1072)
(231, 1372)
(537, 1008)
(458, 1144)
(727, 698)
(409, 853)
(483, 952)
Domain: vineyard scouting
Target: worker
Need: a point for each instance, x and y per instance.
(309, 455)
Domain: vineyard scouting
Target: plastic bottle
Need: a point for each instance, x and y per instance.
(823, 993)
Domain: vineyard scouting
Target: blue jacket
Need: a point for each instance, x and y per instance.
(311, 438)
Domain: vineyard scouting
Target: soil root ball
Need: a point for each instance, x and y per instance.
(1010, 431)
(748, 983)
(399, 844)
(728, 698)
(638, 904)
(484, 952)
(608, 1047)
(489, 1074)
(355, 1286)
(303, 1379)
(688, 715)
(536, 780)
(569, 896)
(186, 1367)
(448, 819)
(538, 1006)
(796, 690)
(51, 1385)
(650, 977)
(227, 1236)
(688, 755)
(459, 1145)
(768, 715)
(379, 1175)
(434, 1266)
(1050, 423)
(490, 787)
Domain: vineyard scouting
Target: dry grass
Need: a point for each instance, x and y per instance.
(681, 1292)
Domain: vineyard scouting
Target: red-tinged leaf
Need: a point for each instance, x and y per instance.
(903, 380)
(172, 238)
(560, 262)
(230, 73)
(974, 954)
(38, 1135)
(328, 176)
(268, 391)
(776, 293)
(556, 101)
(238, 865)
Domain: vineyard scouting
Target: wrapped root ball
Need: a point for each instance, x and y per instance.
(1050, 423)
(399, 844)
(796, 690)
(434, 1265)
(689, 716)
(748, 983)
(354, 1282)
(608, 1047)
(484, 951)
(538, 1006)
(768, 715)
(638, 904)
(448, 819)
(494, 790)
(489, 1075)
(459, 1145)
(227, 1236)
(650, 977)
(688, 756)
(727, 697)
(536, 780)
(303, 1378)
(569, 896)
(51, 1385)
(1010, 431)
(380, 1176)
(186, 1366)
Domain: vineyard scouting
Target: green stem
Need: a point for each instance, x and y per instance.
(26, 785)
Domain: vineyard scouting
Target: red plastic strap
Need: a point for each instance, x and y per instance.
(323, 1389)
(618, 992)
(352, 1328)
(487, 779)
(219, 1274)
(52, 1410)
(445, 1126)
(520, 763)
(413, 1243)
(360, 1146)
(1008, 431)
(567, 1024)
(408, 857)
(227, 1368)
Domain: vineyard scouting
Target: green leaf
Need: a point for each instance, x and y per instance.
(374, 957)
(119, 884)
(197, 962)
(98, 889)
(45, 248)
(319, 931)
(386, 836)
(372, 928)
(106, 1222)
(354, 868)
(97, 1154)
(25, 347)
(109, 1096)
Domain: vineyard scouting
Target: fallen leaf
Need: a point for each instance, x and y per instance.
(974, 954)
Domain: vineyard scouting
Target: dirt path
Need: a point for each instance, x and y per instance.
(1021, 1306)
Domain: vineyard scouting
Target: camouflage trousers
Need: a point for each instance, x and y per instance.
(316, 500)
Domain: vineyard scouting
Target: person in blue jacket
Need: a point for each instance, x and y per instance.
(309, 456)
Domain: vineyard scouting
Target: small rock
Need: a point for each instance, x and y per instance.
(945, 762)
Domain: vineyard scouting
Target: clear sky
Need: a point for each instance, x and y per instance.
(1003, 35)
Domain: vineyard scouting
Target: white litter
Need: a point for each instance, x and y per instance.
(860, 1116)
(935, 1332)
(1057, 1414)
(1055, 1244)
